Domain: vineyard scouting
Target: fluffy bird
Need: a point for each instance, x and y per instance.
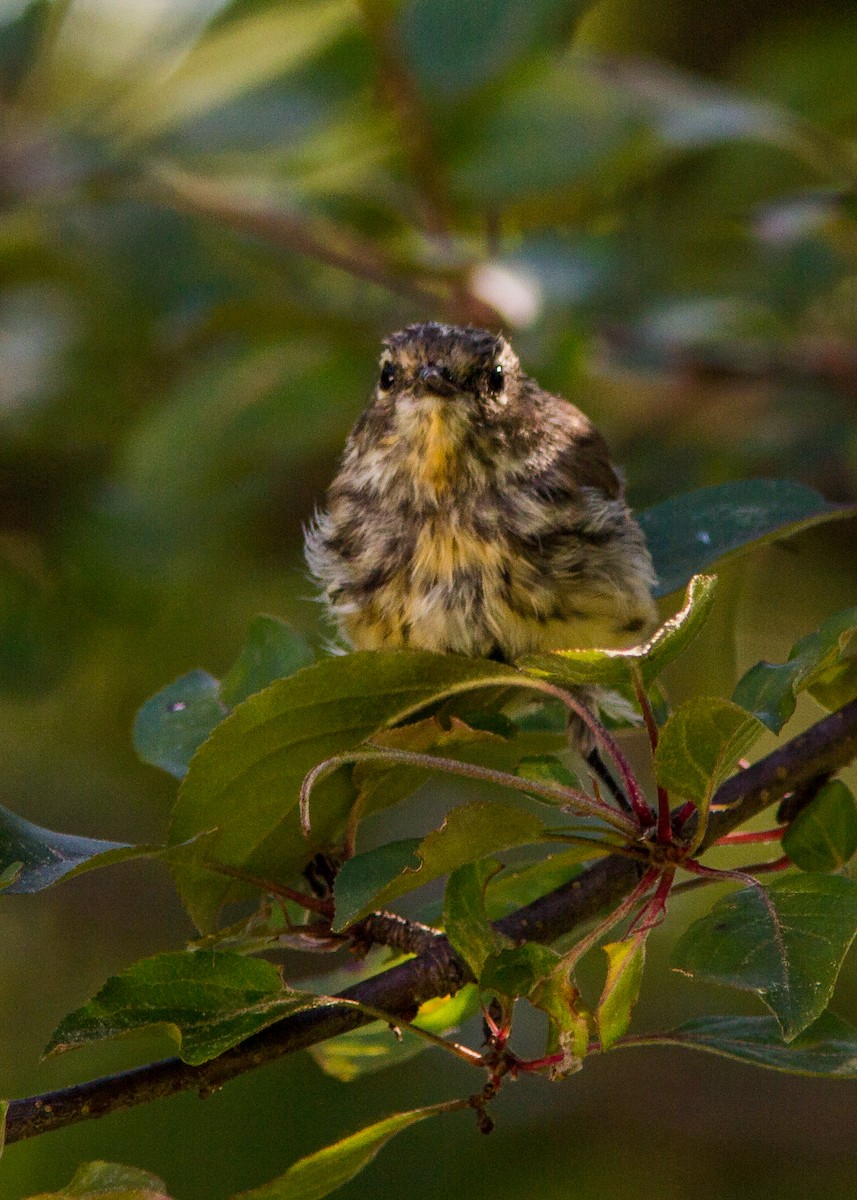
(476, 513)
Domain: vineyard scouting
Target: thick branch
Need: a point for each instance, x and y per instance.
(822, 750)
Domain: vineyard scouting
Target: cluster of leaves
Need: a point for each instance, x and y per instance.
(334, 741)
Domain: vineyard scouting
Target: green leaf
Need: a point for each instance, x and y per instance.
(245, 780)
(515, 971)
(687, 534)
(207, 1000)
(470, 832)
(172, 725)
(109, 1181)
(36, 858)
(823, 836)
(273, 650)
(518, 886)
(465, 920)
(321, 1173)
(610, 668)
(770, 690)
(4, 1112)
(546, 768)
(785, 942)
(828, 1047)
(541, 976)
(453, 47)
(700, 745)
(375, 1047)
(367, 876)
(625, 962)
(242, 55)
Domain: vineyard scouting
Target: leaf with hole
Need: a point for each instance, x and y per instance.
(688, 534)
(172, 725)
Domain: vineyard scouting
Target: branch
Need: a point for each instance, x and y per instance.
(414, 126)
(821, 751)
(316, 238)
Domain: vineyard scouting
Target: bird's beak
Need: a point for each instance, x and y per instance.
(436, 382)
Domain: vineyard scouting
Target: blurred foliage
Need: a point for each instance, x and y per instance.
(211, 212)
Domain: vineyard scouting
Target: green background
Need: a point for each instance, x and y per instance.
(659, 201)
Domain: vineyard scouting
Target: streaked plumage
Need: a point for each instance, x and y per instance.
(477, 514)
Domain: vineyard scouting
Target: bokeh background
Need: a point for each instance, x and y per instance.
(210, 214)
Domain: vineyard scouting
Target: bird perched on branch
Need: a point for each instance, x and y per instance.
(475, 513)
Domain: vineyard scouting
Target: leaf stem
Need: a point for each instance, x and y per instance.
(576, 953)
(323, 908)
(642, 811)
(570, 798)
(665, 828)
(746, 839)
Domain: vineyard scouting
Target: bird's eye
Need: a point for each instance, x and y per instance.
(388, 377)
(496, 379)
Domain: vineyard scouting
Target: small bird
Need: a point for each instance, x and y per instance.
(475, 513)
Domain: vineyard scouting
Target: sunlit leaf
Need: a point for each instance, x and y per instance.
(375, 1047)
(469, 833)
(241, 55)
(827, 1047)
(785, 942)
(465, 920)
(610, 668)
(700, 745)
(770, 690)
(625, 962)
(207, 1000)
(321, 1173)
(109, 1181)
(687, 534)
(823, 836)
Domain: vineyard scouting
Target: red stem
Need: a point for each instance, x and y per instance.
(638, 801)
(744, 839)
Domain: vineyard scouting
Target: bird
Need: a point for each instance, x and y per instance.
(476, 513)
